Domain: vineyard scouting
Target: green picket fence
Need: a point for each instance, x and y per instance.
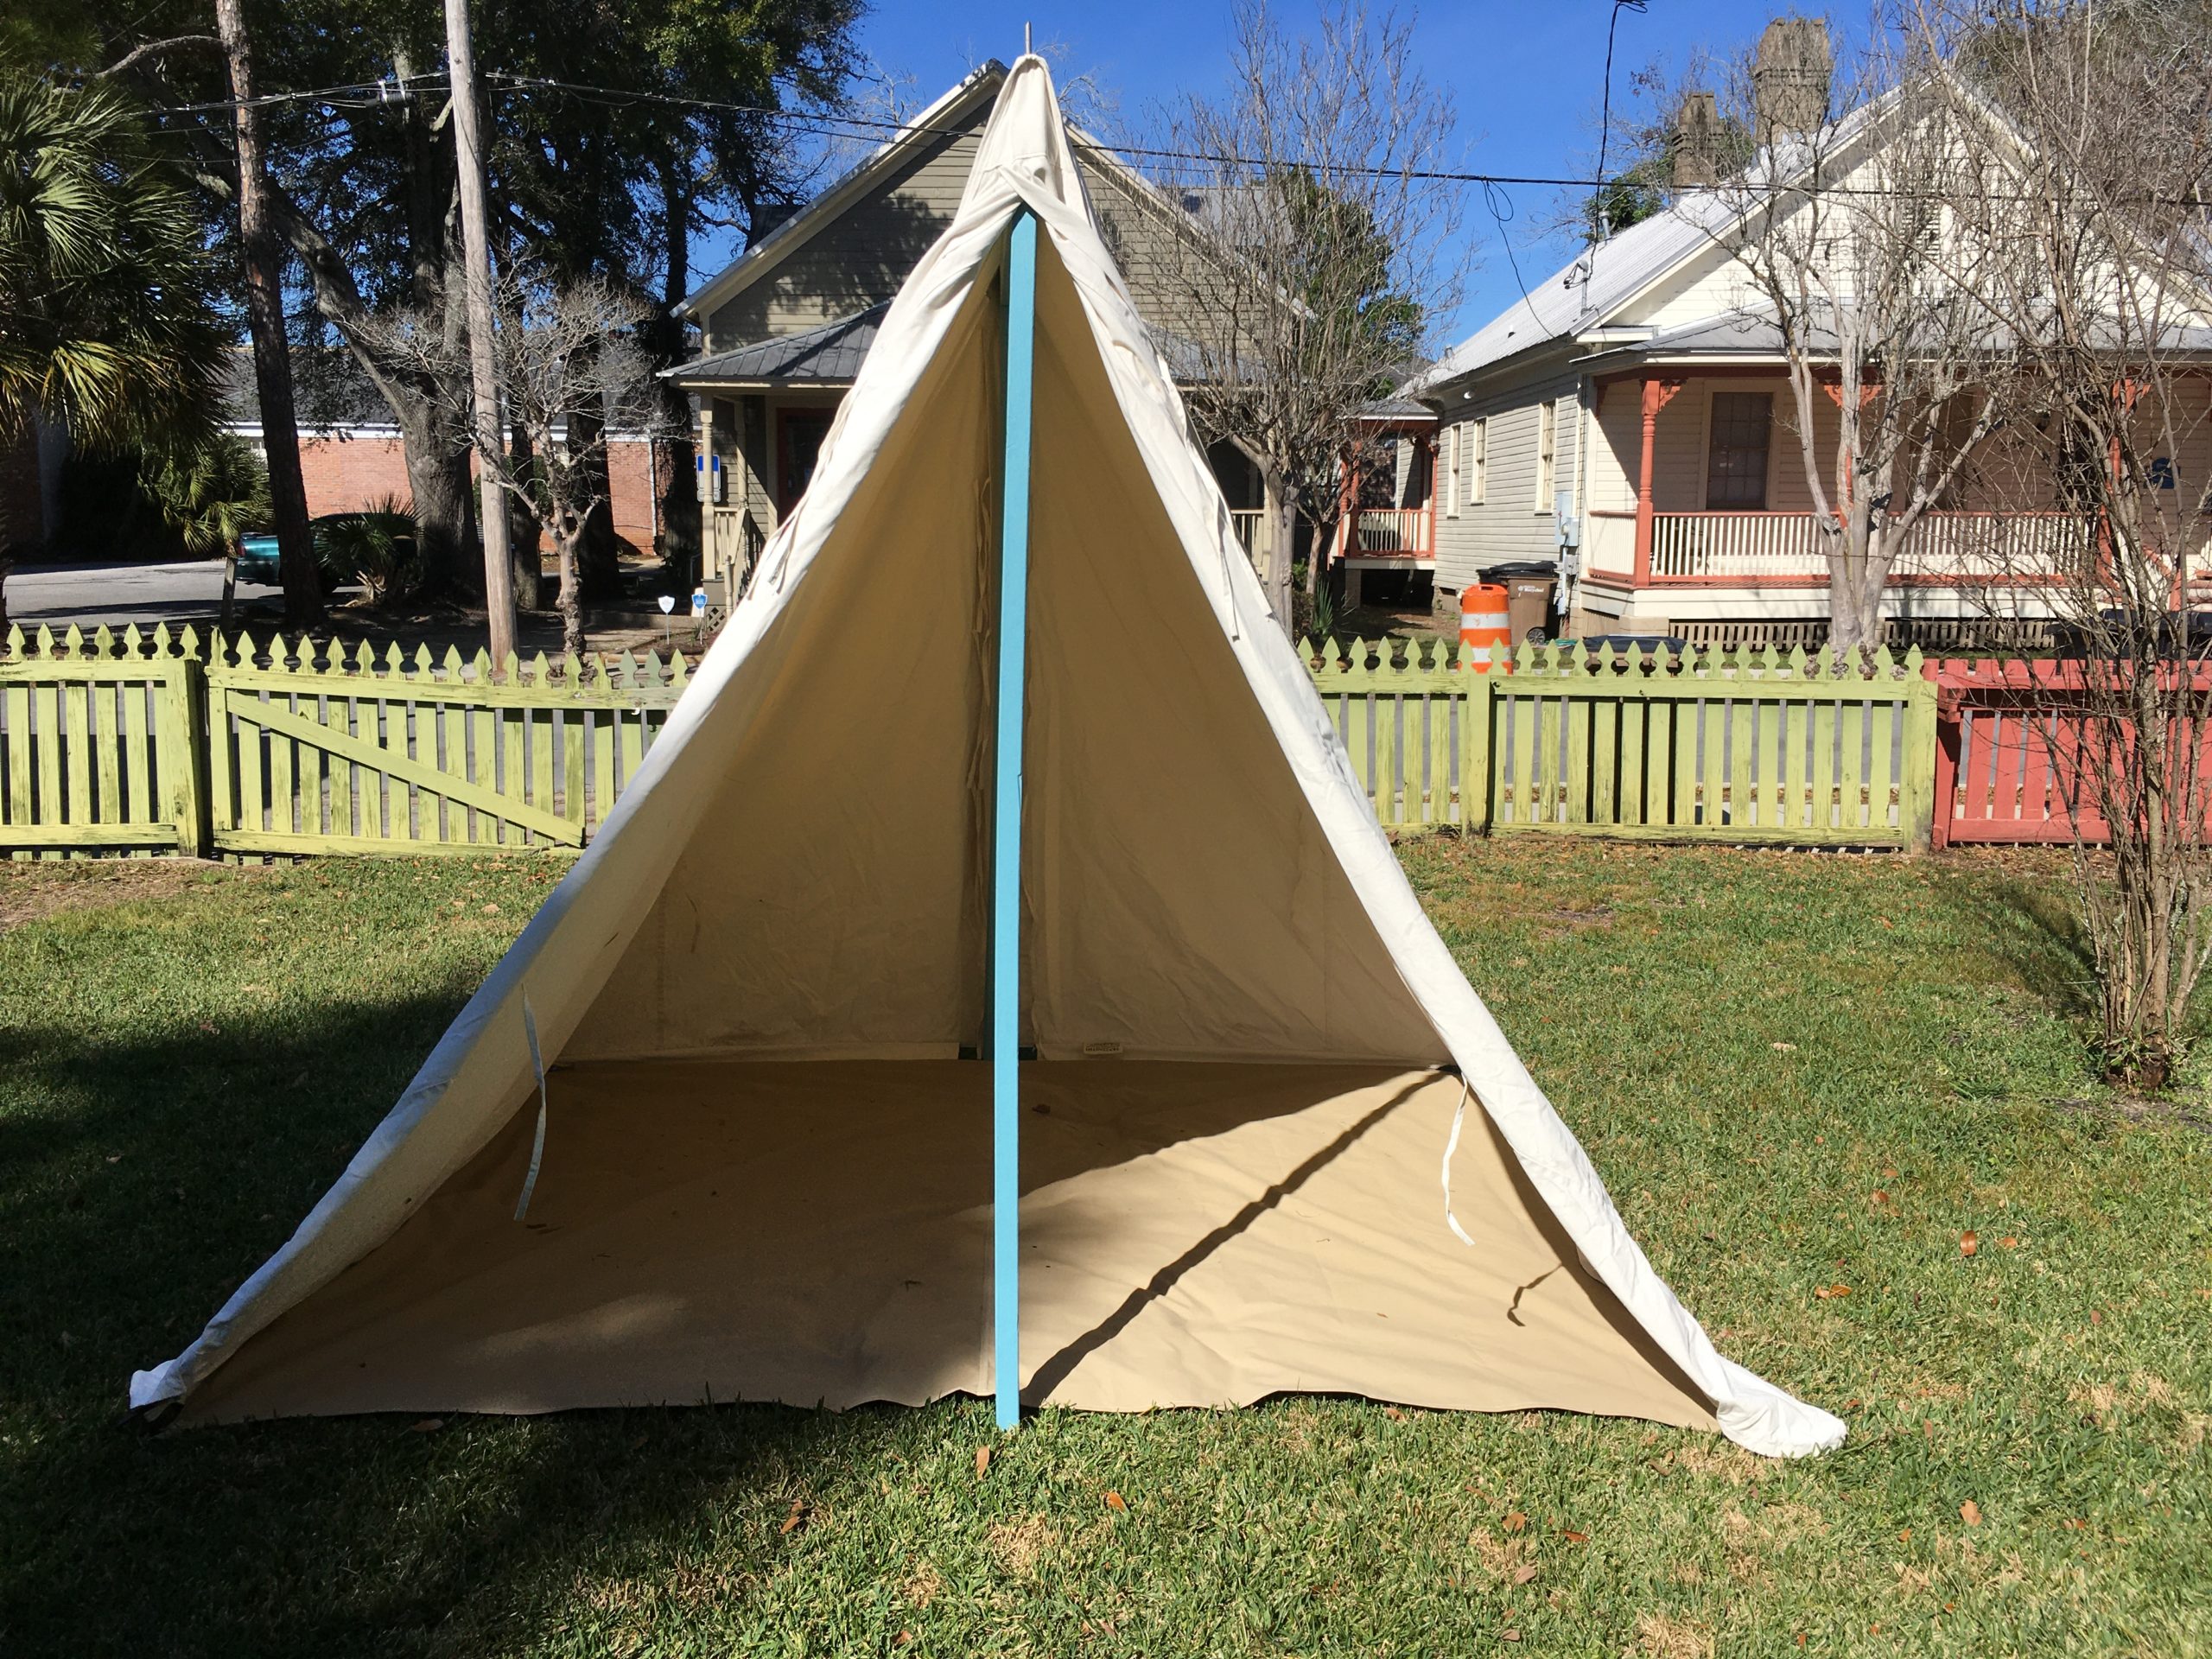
(392, 752)
(120, 740)
(1711, 743)
(125, 740)
(96, 743)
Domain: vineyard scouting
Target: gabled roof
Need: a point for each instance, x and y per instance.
(1584, 293)
(831, 355)
(949, 111)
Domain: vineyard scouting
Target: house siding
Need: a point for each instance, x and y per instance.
(862, 255)
(1506, 524)
(859, 257)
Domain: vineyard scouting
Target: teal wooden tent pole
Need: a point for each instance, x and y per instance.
(1006, 837)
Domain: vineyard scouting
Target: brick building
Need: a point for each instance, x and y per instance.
(351, 457)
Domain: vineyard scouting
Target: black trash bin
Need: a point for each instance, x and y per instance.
(1529, 585)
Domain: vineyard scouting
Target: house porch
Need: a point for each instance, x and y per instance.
(1698, 513)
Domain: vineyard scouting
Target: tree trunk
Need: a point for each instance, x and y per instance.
(571, 604)
(599, 550)
(445, 500)
(261, 256)
(682, 532)
(525, 541)
(1279, 586)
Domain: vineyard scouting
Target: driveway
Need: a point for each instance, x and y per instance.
(55, 595)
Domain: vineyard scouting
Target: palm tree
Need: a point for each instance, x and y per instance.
(106, 327)
(212, 493)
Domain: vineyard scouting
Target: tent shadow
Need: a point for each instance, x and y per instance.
(1058, 1368)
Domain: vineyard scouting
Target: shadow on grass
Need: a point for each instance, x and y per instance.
(139, 1183)
(2032, 924)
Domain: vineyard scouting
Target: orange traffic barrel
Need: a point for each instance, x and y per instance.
(1485, 628)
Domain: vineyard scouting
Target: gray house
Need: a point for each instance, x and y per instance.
(785, 329)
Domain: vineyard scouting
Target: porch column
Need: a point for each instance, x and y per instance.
(702, 460)
(1658, 392)
(1427, 448)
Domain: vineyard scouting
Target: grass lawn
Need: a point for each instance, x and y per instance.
(1798, 1073)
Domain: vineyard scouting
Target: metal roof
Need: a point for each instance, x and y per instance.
(1586, 288)
(1595, 282)
(829, 355)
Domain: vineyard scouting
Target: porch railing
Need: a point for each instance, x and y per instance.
(1251, 529)
(1385, 532)
(1753, 548)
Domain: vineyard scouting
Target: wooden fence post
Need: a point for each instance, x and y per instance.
(182, 745)
(1477, 710)
(1949, 728)
(1916, 802)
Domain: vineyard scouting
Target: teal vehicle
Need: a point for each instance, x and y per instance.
(258, 559)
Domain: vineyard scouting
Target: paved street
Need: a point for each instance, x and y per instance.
(54, 596)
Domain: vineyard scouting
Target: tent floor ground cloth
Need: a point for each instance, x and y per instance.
(1191, 1233)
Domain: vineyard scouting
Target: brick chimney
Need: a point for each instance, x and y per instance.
(1792, 77)
(1695, 153)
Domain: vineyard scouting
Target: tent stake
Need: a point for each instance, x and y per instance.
(1006, 840)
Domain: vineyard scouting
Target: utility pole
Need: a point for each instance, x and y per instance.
(263, 260)
(483, 368)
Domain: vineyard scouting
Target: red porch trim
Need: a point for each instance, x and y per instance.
(1658, 392)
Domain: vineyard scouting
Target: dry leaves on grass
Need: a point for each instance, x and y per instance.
(1970, 1512)
(1825, 1292)
(1019, 1545)
(1504, 1559)
(982, 1461)
(795, 1519)
(1664, 1636)
(1117, 1503)
(1968, 1244)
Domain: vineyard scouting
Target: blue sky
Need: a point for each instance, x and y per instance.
(1525, 78)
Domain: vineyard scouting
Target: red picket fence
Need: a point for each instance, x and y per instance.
(2011, 741)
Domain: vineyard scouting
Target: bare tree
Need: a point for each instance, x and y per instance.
(1839, 226)
(561, 347)
(2095, 155)
(1315, 251)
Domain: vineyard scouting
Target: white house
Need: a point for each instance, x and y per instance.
(1637, 401)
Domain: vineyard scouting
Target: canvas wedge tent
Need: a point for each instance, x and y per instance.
(982, 765)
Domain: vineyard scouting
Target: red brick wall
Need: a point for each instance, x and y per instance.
(347, 475)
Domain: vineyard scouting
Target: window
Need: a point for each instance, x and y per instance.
(1478, 464)
(1546, 448)
(1735, 464)
(1451, 472)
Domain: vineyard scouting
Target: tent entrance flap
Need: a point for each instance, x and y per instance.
(1006, 840)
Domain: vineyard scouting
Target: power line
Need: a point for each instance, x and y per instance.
(367, 94)
(1605, 103)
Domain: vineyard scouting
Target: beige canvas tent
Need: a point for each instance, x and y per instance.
(708, 1131)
